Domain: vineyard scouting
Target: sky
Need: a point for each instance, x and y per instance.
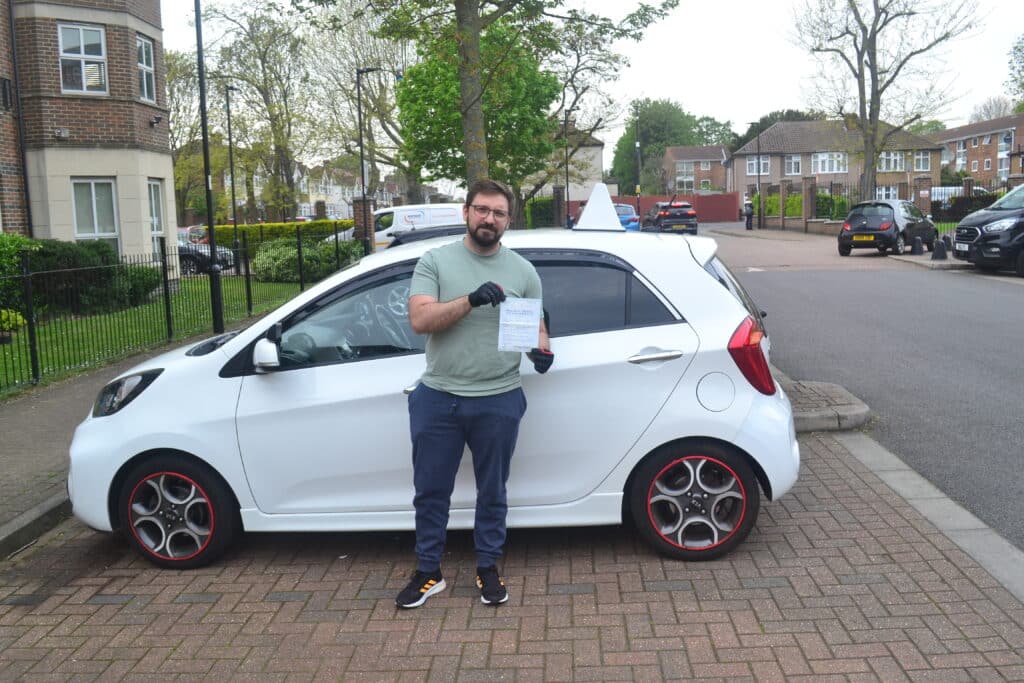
(736, 61)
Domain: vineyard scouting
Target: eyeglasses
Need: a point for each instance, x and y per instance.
(482, 211)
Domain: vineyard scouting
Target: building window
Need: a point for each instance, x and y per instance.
(792, 164)
(95, 210)
(684, 184)
(752, 165)
(961, 154)
(147, 80)
(156, 213)
(705, 165)
(705, 184)
(829, 162)
(923, 161)
(974, 165)
(974, 142)
(887, 192)
(83, 59)
(987, 140)
(891, 161)
(988, 164)
(684, 176)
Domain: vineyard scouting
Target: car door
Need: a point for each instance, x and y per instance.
(619, 353)
(911, 225)
(328, 431)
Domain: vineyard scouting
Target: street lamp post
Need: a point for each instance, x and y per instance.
(231, 166)
(367, 235)
(636, 144)
(565, 134)
(216, 295)
(760, 199)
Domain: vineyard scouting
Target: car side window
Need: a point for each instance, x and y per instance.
(591, 297)
(369, 322)
(915, 212)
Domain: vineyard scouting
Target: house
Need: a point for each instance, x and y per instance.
(831, 153)
(687, 170)
(83, 123)
(990, 151)
(586, 158)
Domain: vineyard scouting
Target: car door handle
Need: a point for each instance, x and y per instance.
(410, 389)
(657, 355)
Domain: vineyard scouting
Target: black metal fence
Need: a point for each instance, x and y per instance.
(58, 322)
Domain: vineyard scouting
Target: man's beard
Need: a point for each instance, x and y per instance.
(486, 240)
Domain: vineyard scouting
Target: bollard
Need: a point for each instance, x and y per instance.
(939, 250)
(948, 241)
(918, 247)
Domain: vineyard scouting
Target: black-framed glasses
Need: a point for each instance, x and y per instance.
(482, 211)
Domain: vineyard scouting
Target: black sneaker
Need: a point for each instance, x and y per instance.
(492, 588)
(421, 586)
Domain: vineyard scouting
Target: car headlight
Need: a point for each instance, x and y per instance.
(121, 392)
(1000, 226)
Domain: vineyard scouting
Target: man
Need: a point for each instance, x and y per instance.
(471, 392)
(748, 211)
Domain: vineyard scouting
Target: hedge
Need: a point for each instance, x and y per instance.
(272, 231)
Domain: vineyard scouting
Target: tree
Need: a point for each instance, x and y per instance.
(1015, 83)
(463, 22)
(873, 59)
(992, 108)
(520, 130)
(768, 120)
(926, 127)
(183, 128)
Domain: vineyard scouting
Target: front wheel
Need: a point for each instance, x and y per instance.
(177, 513)
(694, 502)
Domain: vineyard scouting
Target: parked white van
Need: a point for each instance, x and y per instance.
(393, 219)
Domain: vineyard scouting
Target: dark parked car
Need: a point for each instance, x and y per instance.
(885, 225)
(195, 257)
(993, 238)
(672, 216)
(407, 236)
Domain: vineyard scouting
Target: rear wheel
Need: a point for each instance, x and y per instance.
(189, 265)
(177, 513)
(694, 502)
(898, 245)
(1020, 264)
(844, 250)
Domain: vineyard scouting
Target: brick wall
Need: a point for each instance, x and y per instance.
(12, 190)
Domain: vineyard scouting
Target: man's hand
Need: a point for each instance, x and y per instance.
(487, 293)
(542, 359)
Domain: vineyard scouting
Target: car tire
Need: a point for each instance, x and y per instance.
(987, 269)
(844, 250)
(899, 245)
(694, 501)
(189, 265)
(176, 512)
(1020, 264)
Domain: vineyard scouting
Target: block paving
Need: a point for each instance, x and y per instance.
(840, 580)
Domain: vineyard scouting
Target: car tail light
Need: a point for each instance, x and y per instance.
(745, 349)
(691, 213)
(663, 213)
(846, 226)
(885, 226)
(634, 219)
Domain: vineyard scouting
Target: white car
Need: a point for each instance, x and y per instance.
(660, 407)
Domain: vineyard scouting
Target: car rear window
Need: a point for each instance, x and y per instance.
(623, 210)
(874, 214)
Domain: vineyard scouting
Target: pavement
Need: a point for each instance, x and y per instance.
(864, 571)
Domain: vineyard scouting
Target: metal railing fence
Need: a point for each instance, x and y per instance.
(63, 321)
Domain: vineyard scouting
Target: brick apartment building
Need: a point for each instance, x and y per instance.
(691, 169)
(83, 122)
(989, 151)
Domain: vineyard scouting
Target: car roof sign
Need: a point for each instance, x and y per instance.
(599, 214)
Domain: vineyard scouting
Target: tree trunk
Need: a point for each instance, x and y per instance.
(413, 186)
(474, 138)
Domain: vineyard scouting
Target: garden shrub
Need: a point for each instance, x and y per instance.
(540, 212)
(794, 205)
(273, 231)
(278, 260)
(11, 247)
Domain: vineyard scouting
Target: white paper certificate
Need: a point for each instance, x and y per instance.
(519, 324)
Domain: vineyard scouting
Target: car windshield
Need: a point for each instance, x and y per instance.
(871, 215)
(1011, 200)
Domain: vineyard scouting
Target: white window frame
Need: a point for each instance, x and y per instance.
(684, 184)
(974, 141)
(887, 192)
(155, 186)
(82, 59)
(95, 234)
(752, 165)
(147, 72)
(791, 164)
(891, 161)
(829, 162)
(705, 165)
(922, 161)
(974, 165)
(988, 164)
(987, 140)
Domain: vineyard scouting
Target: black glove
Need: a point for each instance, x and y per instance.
(542, 359)
(487, 293)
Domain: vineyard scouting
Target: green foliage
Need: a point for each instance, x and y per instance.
(10, 320)
(1015, 82)
(794, 205)
(272, 231)
(11, 247)
(520, 133)
(926, 127)
(540, 212)
(278, 260)
(950, 177)
(832, 207)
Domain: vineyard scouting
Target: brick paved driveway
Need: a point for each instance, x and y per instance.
(841, 579)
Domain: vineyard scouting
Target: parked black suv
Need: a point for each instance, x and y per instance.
(672, 216)
(993, 238)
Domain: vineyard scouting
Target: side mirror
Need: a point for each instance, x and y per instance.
(265, 356)
(274, 333)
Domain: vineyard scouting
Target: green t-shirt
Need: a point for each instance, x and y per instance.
(464, 359)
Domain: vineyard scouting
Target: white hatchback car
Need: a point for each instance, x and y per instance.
(660, 407)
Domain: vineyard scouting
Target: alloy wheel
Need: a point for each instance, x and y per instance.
(170, 516)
